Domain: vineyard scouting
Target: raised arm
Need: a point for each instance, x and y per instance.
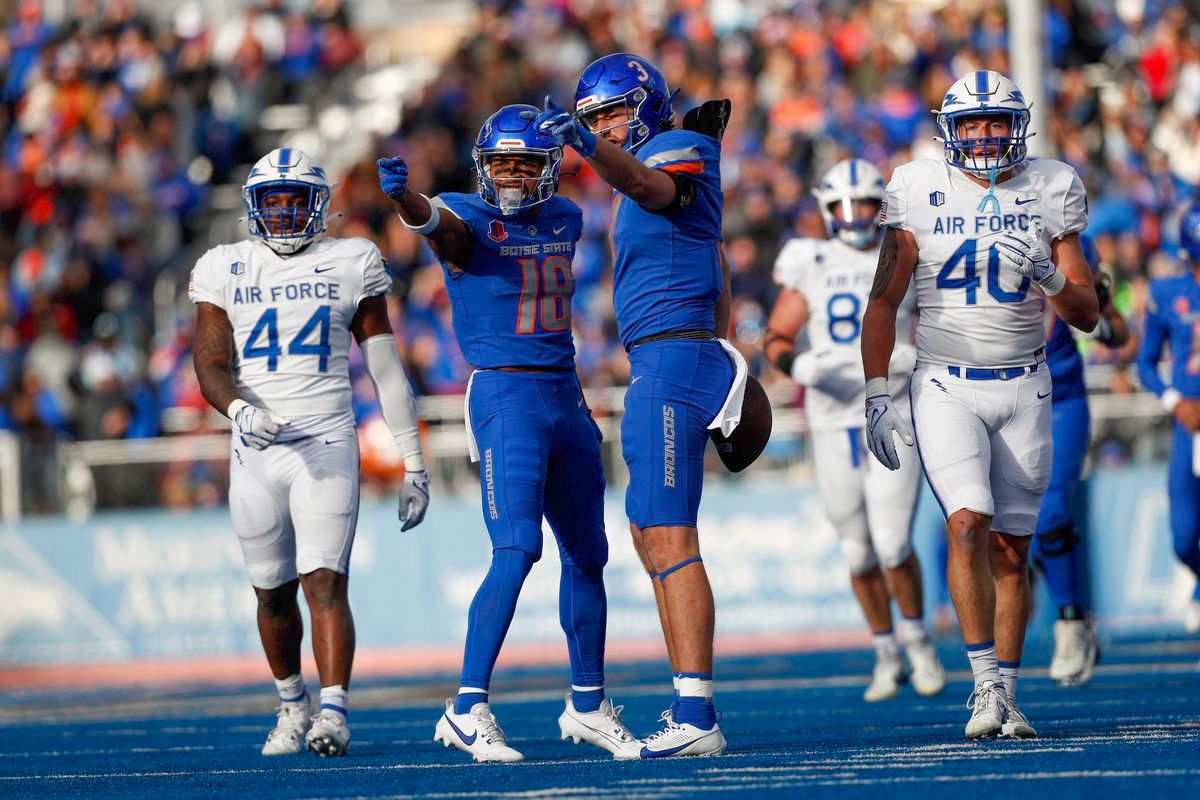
(447, 234)
(373, 331)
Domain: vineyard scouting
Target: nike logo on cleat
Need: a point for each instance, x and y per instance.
(648, 753)
(319, 270)
(467, 741)
(1026, 200)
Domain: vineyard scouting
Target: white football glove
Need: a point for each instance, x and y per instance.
(414, 498)
(883, 420)
(257, 427)
(830, 371)
(1027, 254)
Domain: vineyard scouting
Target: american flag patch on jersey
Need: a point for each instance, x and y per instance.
(883, 212)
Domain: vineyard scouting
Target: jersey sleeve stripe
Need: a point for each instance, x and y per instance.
(667, 156)
(685, 167)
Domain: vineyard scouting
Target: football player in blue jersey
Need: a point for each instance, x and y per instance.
(1173, 319)
(506, 254)
(671, 298)
(1056, 544)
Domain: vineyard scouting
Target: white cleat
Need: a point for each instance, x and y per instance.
(1076, 652)
(674, 740)
(476, 733)
(989, 709)
(1016, 724)
(888, 677)
(602, 728)
(1191, 617)
(928, 675)
(287, 737)
(329, 734)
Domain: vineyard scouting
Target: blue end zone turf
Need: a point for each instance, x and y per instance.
(796, 727)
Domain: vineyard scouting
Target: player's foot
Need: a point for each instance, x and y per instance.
(928, 675)
(329, 734)
(1191, 617)
(888, 677)
(1016, 724)
(675, 739)
(1076, 652)
(476, 732)
(989, 708)
(602, 728)
(287, 737)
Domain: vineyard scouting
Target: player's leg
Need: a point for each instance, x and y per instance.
(574, 507)
(324, 503)
(841, 472)
(679, 390)
(263, 524)
(1183, 489)
(1056, 550)
(1022, 455)
(955, 451)
(891, 499)
(660, 600)
(513, 431)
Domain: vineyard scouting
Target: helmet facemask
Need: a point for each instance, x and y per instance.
(985, 155)
(286, 228)
(858, 225)
(632, 101)
(517, 192)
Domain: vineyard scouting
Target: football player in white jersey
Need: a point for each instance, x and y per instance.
(274, 316)
(990, 236)
(824, 289)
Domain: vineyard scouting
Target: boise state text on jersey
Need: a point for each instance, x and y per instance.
(667, 270)
(515, 310)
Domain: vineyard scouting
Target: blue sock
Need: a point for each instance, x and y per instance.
(468, 697)
(490, 615)
(1060, 558)
(694, 706)
(583, 614)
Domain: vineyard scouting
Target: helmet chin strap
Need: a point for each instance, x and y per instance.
(990, 204)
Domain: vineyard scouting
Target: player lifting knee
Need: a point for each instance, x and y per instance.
(989, 236)
(507, 256)
(274, 316)
(824, 288)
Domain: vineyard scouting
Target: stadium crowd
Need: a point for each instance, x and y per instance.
(115, 129)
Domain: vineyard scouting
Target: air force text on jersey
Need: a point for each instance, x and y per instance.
(983, 224)
(301, 290)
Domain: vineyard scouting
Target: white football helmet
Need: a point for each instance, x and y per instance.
(980, 93)
(850, 180)
(286, 169)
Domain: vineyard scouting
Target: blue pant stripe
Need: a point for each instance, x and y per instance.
(855, 454)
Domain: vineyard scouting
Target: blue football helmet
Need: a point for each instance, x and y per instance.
(977, 94)
(633, 81)
(507, 133)
(286, 169)
(1189, 233)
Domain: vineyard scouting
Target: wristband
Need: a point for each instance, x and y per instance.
(430, 225)
(784, 361)
(1170, 398)
(234, 407)
(1054, 283)
(414, 462)
(877, 387)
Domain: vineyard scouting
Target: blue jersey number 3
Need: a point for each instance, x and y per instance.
(268, 325)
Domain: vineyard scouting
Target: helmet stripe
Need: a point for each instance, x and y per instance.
(285, 159)
(854, 172)
(981, 82)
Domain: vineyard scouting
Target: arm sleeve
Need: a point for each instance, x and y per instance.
(894, 211)
(202, 286)
(1074, 209)
(382, 361)
(1152, 343)
(377, 277)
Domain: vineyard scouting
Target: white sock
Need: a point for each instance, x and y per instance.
(1009, 671)
(291, 688)
(983, 662)
(336, 699)
(911, 631)
(695, 687)
(885, 644)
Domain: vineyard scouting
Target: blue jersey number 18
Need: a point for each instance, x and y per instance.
(546, 290)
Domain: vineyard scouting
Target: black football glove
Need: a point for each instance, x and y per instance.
(709, 118)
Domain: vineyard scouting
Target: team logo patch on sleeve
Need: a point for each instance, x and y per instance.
(937, 198)
(237, 268)
(496, 231)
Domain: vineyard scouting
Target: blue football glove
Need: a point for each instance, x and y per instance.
(414, 498)
(563, 125)
(393, 176)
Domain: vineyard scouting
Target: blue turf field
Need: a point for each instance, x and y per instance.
(795, 723)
